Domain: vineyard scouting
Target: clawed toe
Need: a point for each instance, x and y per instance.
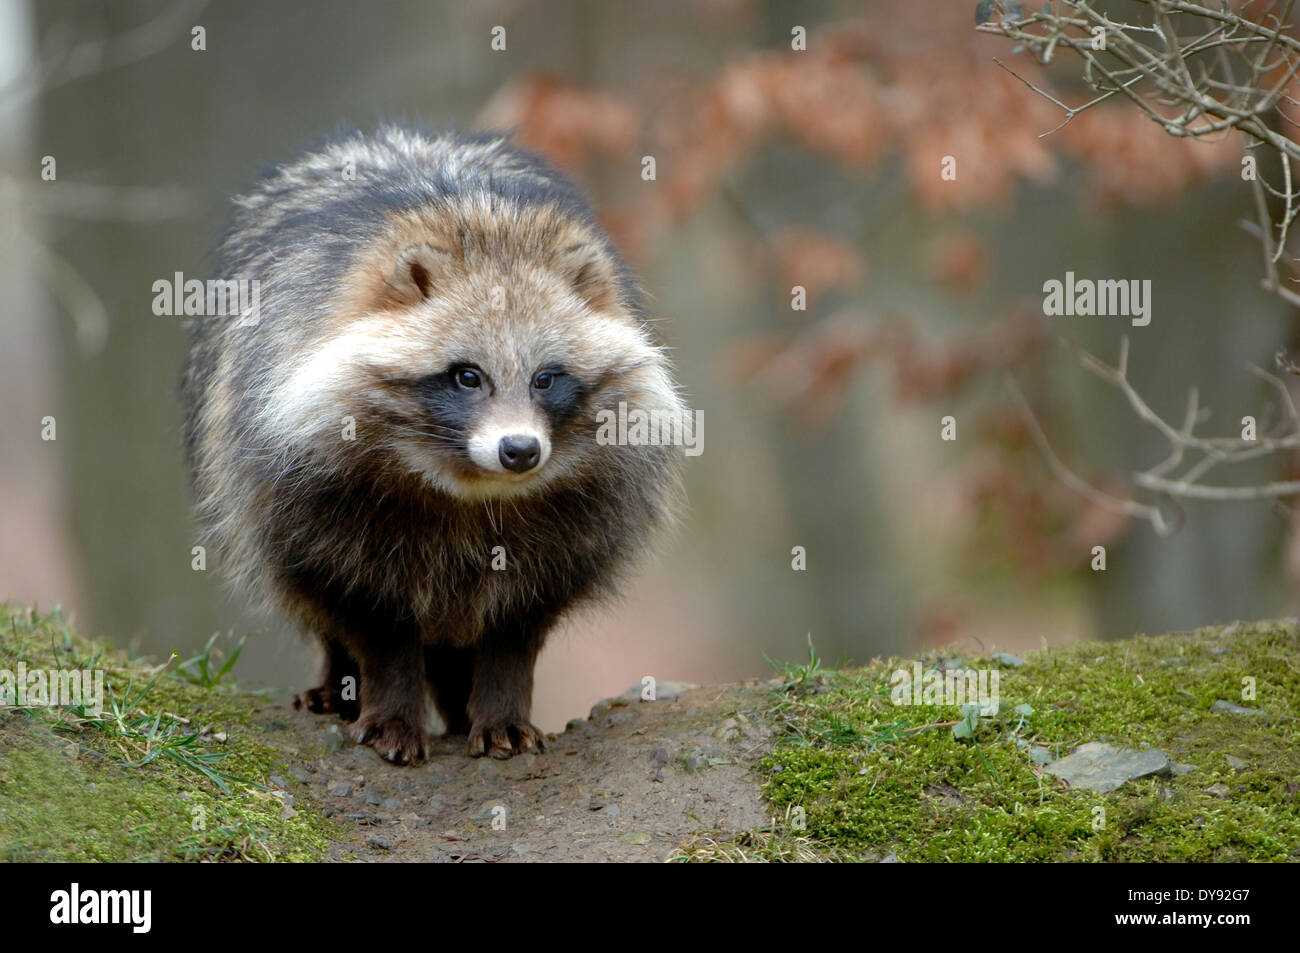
(505, 739)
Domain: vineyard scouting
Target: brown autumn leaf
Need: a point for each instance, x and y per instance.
(813, 261)
(564, 122)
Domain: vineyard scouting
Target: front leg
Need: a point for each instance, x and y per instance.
(392, 695)
(335, 694)
(501, 698)
(379, 645)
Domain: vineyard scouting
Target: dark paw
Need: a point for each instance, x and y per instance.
(394, 738)
(324, 700)
(505, 739)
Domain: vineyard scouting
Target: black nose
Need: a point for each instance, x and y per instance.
(519, 454)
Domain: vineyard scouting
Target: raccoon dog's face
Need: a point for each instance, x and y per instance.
(482, 348)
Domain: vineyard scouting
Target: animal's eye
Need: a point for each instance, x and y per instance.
(469, 378)
(543, 380)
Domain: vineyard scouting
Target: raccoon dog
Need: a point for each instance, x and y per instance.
(398, 446)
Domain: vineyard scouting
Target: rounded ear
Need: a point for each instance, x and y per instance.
(591, 272)
(418, 270)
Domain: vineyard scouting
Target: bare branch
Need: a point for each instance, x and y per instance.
(1199, 72)
(1076, 483)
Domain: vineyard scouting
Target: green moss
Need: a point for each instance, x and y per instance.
(875, 778)
(151, 780)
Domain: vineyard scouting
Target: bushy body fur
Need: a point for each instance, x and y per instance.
(424, 300)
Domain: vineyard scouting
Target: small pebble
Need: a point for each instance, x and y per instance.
(1231, 708)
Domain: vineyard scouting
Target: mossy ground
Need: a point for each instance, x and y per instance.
(176, 772)
(873, 778)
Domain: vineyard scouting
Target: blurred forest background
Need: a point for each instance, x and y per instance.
(775, 167)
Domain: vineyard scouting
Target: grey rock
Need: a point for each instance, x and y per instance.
(610, 812)
(378, 843)
(944, 794)
(392, 804)
(1040, 755)
(278, 781)
(367, 754)
(340, 789)
(732, 729)
(1178, 770)
(890, 859)
(490, 813)
(1102, 767)
(372, 797)
(667, 691)
(1007, 659)
(1235, 763)
(664, 691)
(300, 774)
(1218, 790)
(692, 760)
(659, 759)
(1229, 708)
(333, 739)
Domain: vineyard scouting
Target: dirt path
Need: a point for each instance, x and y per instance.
(182, 769)
(630, 783)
